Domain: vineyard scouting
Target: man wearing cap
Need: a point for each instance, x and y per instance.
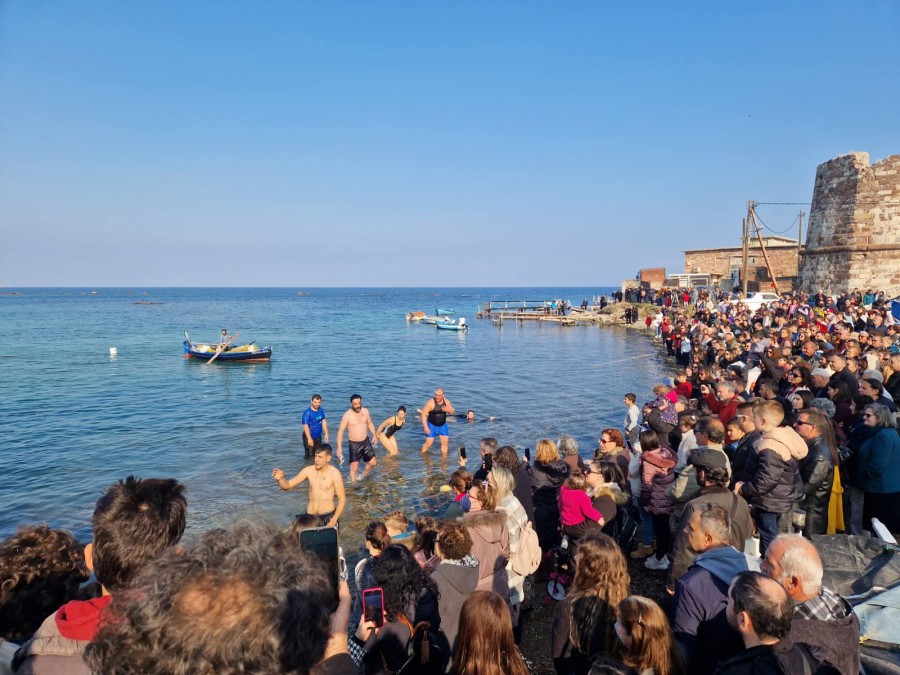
(711, 467)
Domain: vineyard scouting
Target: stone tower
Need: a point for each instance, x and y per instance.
(853, 239)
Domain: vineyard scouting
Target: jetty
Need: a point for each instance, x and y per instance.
(543, 311)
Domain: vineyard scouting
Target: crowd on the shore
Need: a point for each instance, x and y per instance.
(778, 425)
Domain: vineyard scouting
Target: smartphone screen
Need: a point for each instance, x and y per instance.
(488, 462)
(528, 455)
(322, 542)
(462, 452)
(373, 606)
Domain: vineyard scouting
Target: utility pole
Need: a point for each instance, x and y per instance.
(745, 250)
(752, 213)
(799, 240)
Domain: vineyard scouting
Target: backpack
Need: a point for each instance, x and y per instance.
(528, 555)
(624, 530)
(423, 653)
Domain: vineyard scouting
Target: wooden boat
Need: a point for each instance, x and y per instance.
(460, 325)
(204, 352)
(443, 312)
(415, 317)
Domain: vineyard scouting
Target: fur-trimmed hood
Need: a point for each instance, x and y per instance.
(488, 525)
(612, 491)
(785, 442)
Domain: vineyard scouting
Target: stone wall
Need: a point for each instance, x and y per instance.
(853, 239)
(720, 262)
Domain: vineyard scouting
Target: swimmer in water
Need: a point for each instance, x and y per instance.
(388, 428)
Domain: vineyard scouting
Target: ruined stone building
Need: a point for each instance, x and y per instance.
(853, 239)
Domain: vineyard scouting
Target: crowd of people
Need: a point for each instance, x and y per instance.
(777, 425)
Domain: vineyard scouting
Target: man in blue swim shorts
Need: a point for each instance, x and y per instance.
(434, 420)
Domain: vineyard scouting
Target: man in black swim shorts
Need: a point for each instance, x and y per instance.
(357, 422)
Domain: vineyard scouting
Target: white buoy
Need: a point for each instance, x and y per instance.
(113, 351)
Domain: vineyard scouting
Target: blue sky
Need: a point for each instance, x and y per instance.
(419, 143)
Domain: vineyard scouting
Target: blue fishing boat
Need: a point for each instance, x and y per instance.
(443, 312)
(457, 325)
(206, 352)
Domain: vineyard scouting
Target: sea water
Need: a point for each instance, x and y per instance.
(74, 419)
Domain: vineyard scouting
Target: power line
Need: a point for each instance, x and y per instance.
(784, 231)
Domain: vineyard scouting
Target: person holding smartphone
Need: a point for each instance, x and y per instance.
(326, 485)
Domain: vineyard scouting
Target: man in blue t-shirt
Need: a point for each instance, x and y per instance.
(315, 426)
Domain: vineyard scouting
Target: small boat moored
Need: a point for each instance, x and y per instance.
(459, 325)
(443, 312)
(206, 352)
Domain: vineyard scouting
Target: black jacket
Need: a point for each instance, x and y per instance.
(839, 640)
(546, 480)
(742, 454)
(775, 482)
(782, 658)
(817, 473)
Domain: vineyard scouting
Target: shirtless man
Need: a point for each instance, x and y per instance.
(434, 420)
(325, 484)
(356, 421)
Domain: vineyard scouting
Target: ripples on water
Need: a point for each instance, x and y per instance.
(74, 419)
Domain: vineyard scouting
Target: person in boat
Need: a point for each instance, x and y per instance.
(224, 338)
(434, 420)
(326, 485)
(315, 426)
(357, 421)
(388, 428)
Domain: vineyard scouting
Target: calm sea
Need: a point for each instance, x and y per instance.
(73, 419)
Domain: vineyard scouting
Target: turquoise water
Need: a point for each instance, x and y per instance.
(74, 419)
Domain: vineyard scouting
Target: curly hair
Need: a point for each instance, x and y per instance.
(402, 580)
(40, 570)
(601, 582)
(454, 540)
(241, 599)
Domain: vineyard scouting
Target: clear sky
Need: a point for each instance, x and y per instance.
(333, 143)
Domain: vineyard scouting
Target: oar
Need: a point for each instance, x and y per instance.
(222, 348)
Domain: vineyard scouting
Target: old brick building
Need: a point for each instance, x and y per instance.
(854, 226)
(725, 263)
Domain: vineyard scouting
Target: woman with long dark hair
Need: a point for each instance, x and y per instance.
(485, 645)
(410, 596)
(583, 623)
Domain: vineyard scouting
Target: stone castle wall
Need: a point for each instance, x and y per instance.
(853, 239)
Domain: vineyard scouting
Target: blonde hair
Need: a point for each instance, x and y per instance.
(503, 480)
(397, 520)
(545, 451)
(486, 495)
(771, 411)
